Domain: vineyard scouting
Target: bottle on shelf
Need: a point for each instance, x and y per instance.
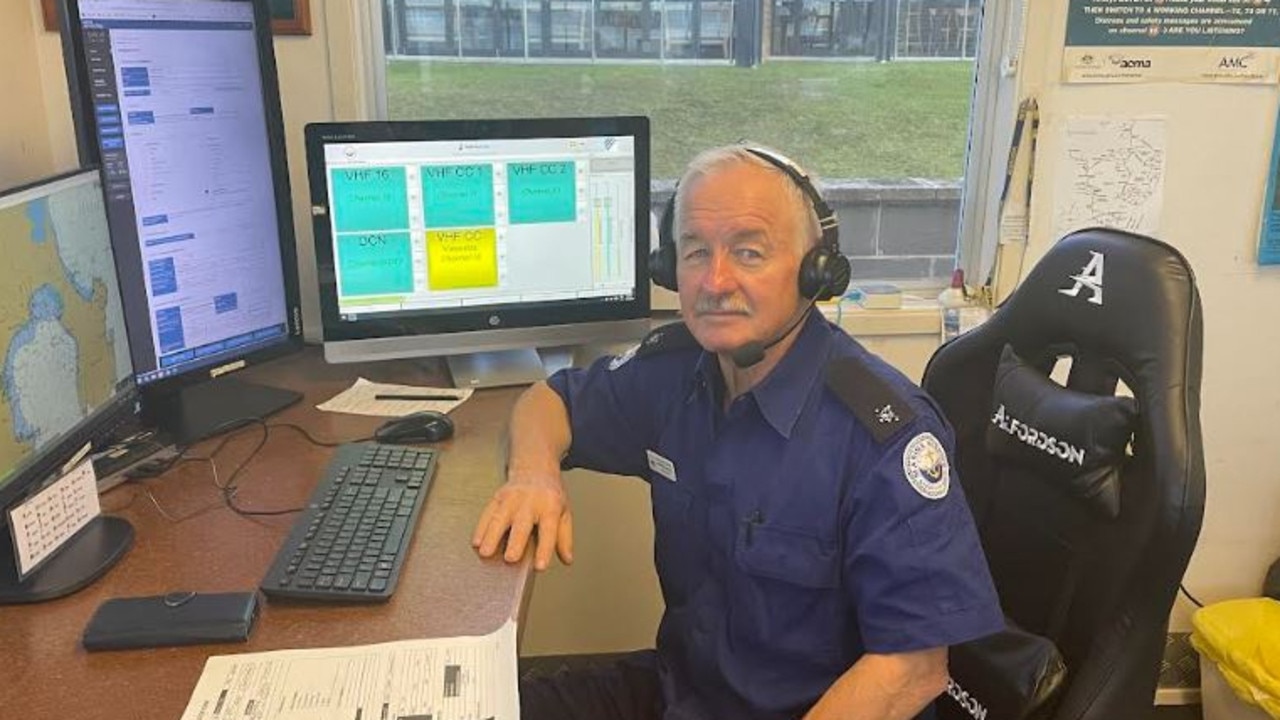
(950, 303)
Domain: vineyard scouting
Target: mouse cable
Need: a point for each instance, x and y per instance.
(230, 489)
(229, 430)
(313, 440)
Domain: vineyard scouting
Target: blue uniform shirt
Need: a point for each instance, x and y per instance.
(795, 531)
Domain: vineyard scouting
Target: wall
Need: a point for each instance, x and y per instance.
(25, 148)
(305, 96)
(1219, 142)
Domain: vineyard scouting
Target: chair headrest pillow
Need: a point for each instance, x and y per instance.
(1077, 439)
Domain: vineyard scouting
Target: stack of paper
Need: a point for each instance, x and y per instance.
(462, 678)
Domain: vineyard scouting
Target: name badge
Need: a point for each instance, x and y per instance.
(661, 465)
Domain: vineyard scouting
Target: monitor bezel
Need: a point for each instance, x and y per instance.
(487, 318)
(81, 97)
(42, 465)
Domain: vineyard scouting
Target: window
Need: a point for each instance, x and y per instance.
(871, 95)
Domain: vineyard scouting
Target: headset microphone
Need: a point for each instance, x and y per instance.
(753, 352)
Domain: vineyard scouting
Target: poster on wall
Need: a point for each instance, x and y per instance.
(1205, 41)
(1269, 242)
(1110, 172)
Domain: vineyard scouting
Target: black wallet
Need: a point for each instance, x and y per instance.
(173, 619)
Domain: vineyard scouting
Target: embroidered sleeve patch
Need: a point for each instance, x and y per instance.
(925, 464)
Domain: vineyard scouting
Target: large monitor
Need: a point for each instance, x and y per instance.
(482, 240)
(66, 379)
(178, 101)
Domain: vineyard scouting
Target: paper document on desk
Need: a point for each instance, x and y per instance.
(362, 398)
(461, 678)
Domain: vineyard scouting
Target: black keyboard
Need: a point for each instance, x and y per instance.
(350, 542)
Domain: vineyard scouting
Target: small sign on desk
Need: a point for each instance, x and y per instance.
(42, 524)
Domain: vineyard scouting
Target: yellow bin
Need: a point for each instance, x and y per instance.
(1239, 646)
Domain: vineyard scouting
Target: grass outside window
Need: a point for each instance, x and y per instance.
(841, 119)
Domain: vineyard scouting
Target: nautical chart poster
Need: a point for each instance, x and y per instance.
(1210, 41)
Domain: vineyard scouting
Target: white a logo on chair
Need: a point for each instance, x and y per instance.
(1089, 277)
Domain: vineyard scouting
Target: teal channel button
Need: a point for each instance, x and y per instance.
(541, 192)
(457, 195)
(375, 263)
(369, 199)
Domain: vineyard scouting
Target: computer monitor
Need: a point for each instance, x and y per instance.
(65, 371)
(178, 101)
(480, 240)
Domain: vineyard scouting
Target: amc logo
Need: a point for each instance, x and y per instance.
(1239, 62)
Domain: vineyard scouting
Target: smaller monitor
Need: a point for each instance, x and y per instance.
(65, 371)
(480, 240)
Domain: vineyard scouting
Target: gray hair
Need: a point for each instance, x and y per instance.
(710, 161)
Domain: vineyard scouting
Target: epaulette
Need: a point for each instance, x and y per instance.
(878, 405)
(672, 336)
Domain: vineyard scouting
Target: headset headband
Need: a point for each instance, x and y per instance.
(827, 221)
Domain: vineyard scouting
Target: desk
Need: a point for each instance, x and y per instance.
(445, 589)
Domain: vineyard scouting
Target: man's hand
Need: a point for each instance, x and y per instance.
(528, 502)
(533, 498)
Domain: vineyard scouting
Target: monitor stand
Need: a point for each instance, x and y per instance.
(216, 406)
(85, 557)
(499, 368)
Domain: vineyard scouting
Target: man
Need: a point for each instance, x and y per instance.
(815, 551)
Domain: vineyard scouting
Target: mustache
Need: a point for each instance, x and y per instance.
(720, 304)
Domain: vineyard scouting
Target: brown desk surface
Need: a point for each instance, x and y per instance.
(445, 589)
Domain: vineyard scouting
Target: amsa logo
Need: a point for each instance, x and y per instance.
(970, 703)
(1126, 63)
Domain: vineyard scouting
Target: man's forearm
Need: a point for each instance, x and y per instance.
(885, 687)
(539, 435)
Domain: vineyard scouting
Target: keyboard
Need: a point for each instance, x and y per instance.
(350, 542)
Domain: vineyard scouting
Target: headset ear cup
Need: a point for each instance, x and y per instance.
(811, 272)
(839, 273)
(824, 274)
(662, 261)
(662, 266)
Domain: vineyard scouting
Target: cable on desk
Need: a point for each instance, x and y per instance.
(194, 513)
(228, 490)
(313, 440)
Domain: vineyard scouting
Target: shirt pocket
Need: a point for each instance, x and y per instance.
(787, 599)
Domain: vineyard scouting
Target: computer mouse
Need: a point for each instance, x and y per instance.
(421, 427)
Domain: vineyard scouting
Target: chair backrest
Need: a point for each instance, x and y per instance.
(1092, 564)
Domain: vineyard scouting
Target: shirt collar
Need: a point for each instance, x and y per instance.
(781, 395)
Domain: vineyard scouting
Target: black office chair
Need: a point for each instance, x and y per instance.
(1088, 504)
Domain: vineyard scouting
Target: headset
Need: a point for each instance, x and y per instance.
(824, 271)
